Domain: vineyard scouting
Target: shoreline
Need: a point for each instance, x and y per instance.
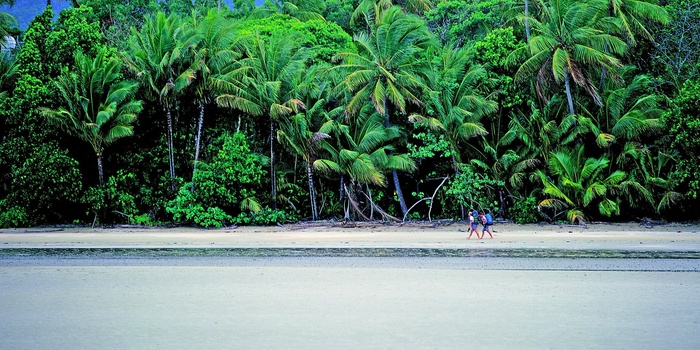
(617, 237)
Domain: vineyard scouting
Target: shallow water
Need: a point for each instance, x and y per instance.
(77, 253)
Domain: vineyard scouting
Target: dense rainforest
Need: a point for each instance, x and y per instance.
(216, 113)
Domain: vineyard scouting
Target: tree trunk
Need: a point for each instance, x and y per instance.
(99, 169)
(527, 25)
(342, 187)
(569, 99)
(399, 193)
(171, 152)
(198, 139)
(312, 193)
(273, 178)
(457, 172)
(397, 186)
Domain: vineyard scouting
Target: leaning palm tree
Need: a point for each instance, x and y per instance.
(564, 44)
(99, 106)
(385, 70)
(157, 56)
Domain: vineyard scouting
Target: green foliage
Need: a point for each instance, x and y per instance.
(472, 190)
(43, 188)
(463, 21)
(683, 123)
(75, 30)
(34, 56)
(677, 44)
(225, 187)
(266, 216)
(116, 18)
(444, 66)
(114, 201)
(12, 215)
(524, 210)
(429, 145)
(326, 39)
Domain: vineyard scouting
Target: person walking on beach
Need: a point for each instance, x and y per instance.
(487, 221)
(473, 224)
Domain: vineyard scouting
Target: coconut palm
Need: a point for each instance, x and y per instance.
(99, 106)
(578, 181)
(213, 57)
(157, 56)
(564, 44)
(633, 17)
(631, 112)
(385, 70)
(270, 88)
(456, 105)
(296, 134)
(361, 153)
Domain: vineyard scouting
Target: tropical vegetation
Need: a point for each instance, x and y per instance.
(219, 113)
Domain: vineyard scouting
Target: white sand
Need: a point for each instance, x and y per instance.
(674, 237)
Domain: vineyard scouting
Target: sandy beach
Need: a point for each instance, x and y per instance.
(351, 302)
(628, 236)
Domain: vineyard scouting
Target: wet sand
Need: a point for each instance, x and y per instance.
(352, 302)
(358, 304)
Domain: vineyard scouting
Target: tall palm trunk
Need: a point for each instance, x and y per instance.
(399, 193)
(99, 169)
(273, 179)
(171, 151)
(394, 173)
(527, 24)
(198, 139)
(569, 99)
(342, 187)
(457, 171)
(312, 193)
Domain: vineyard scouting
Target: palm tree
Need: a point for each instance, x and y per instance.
(157, 56)
(457, 106)
(564, 44)
(99, 106)
(630, 112)
(633, 15)
(213, 57)
(580, 181)
(361, 153)
(384, 72)
(269, 88)
(296, 134)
